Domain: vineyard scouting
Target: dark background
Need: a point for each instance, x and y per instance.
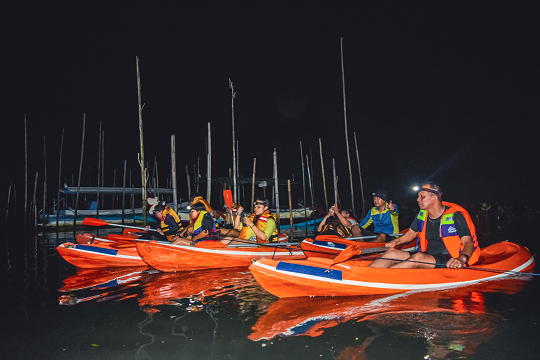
(435, 90)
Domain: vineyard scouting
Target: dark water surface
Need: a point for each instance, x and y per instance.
(53, 310)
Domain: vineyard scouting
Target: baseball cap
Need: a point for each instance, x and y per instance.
(381, 193)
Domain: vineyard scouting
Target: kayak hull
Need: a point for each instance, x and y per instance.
(353, 277)
(167, 257)
(100, 255)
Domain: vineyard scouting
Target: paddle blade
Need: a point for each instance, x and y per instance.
(227, 195)
(94, 222)
(84, 239)
(348, 253)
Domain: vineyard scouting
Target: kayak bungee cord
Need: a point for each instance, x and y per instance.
(464, 267)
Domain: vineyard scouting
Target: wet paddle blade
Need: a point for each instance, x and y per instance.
(227, 195)
(94, 222)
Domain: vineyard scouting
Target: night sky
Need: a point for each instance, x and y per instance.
(437, 90)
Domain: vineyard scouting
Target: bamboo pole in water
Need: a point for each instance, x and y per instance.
(34, 205)
(335, 181)
(80, 171)
(124, 193)
(25, 172)
(44, 185)
(8, 197)
(310, 181)
(360, 173)
(114, 185)
(141, 160)
(346, 132)
(157, 178)
(253, 184)
(59, 180)
(238, 169)
(276, 188)
(173, 173)
(233, 95)
(98, 172)
(103, 166)
(304, 186)
(198, 173)
(291, 233)
(188, 182)
(323, 177)
(209, 167)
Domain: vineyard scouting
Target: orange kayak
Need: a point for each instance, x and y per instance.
(100, 254)
(210, 255)
(329, 246)
(350, 278)
(101, 278)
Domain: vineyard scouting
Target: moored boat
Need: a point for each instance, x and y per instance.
(211, 255)
(319, 277)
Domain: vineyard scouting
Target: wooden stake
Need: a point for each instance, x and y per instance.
(44, 185)
(98, 172)
(141, 160)
(124, 193)
(291, 233)
(304, 186)
(59, 180)
(80, 171)
(188, 183)
(323, 177)
(103, 167)
(8, 197)
(114, 185)
(346, 133)
(34, 204)
(209, 166)
(310, 183)
(173, 172)
(335, 181)
(360, 173)
(198, 173)
(276, 188)
(25, 172)
(253, 184)
(233, 95)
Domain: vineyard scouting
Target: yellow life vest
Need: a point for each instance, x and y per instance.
(246, 231)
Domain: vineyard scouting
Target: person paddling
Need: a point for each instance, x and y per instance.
(445, 231)
(167, 223)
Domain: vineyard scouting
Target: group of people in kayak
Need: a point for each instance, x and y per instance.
(259, 227)
(444, 232)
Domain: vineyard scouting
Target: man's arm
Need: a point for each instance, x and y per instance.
(409, 236)
(343, 221)
(321, 224)
(173, 226)
(468, 248)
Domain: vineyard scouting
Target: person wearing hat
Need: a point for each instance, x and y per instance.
(259, 227)
(445, 231)
(167, 223)
(383, 216)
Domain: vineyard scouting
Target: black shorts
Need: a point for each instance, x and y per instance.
(440, 259)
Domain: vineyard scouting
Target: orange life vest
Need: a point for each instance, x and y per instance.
(448, 231)
(261, 225)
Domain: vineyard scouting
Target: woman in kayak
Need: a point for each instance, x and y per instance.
(202, 227)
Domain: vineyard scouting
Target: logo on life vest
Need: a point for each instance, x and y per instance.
(262, 218)
(452, 229)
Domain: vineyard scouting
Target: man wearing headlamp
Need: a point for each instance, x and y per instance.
(446, 236)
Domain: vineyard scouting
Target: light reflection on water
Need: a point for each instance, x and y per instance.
(57, 311)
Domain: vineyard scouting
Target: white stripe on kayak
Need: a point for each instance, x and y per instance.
(99, 253)
(334, 248)
(221, 251)
(396, 286)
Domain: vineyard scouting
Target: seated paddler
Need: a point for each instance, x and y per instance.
(167, 223)
(445, 232)
(383, 216)
(198, 198)
(201, 228)
(336, 223)
(259, 227)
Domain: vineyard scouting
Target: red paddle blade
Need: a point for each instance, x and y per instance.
(94, 222)
(227, 195)
(84, 239)
(348, 253)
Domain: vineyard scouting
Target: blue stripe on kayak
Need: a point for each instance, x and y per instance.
(309, 270)
(329, 243)
(97, 249)
(107, 284)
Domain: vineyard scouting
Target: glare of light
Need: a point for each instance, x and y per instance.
(189, 207)
(415, 188)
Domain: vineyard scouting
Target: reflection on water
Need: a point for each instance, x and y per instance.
(142, 313)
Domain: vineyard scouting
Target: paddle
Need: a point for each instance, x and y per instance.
(353, 250)
(369, 237)
(227, 195)
(98, 222)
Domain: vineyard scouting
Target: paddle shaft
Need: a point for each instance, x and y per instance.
(369, 237)
(130, 227)
(464, 267)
